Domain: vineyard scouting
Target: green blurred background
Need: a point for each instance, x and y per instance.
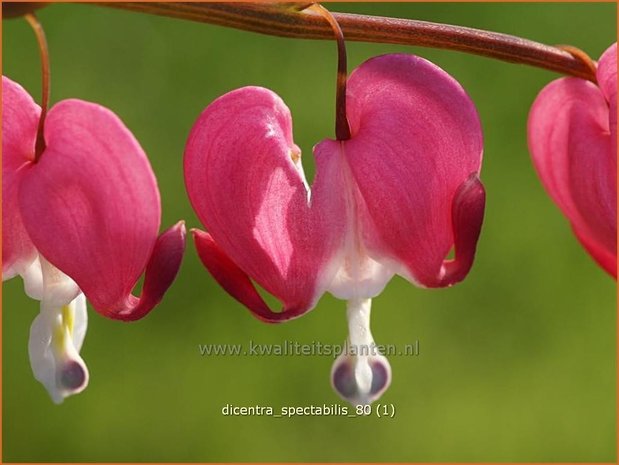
(516, 364)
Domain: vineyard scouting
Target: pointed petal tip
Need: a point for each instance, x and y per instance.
(229, 276)
(161, 271)
(471, 193)
(172, 240)
(467, 218)
(467, 213)
(236, 282)
(196, 232)
(178, 232)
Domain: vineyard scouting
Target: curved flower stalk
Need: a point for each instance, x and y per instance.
(395, 198)
(82, 216)
(573, 142)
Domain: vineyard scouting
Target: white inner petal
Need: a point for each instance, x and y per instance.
(57, 333)
(358, 275)
(58, 288)
(33, 279)
(56, 336)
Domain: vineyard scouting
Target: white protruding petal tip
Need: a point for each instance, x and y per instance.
(56, 336)
(361, 374)
(360, 380)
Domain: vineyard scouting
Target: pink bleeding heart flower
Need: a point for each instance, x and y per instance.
(83, 217)
(393, 199)
(572, 132)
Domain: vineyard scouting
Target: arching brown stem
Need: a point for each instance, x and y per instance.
(45, 78)
(289, 20)
(342, 129)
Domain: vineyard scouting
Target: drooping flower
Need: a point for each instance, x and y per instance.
(572, 132)
(81, 217)
(393, 199)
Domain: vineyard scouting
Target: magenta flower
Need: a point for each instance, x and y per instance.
(80, 217)
(573, 141)
(393, 199)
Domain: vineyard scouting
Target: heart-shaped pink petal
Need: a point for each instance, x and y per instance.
(20, 118)
(91, 206)
(416, 141)
(572, 137)
(246, 183)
